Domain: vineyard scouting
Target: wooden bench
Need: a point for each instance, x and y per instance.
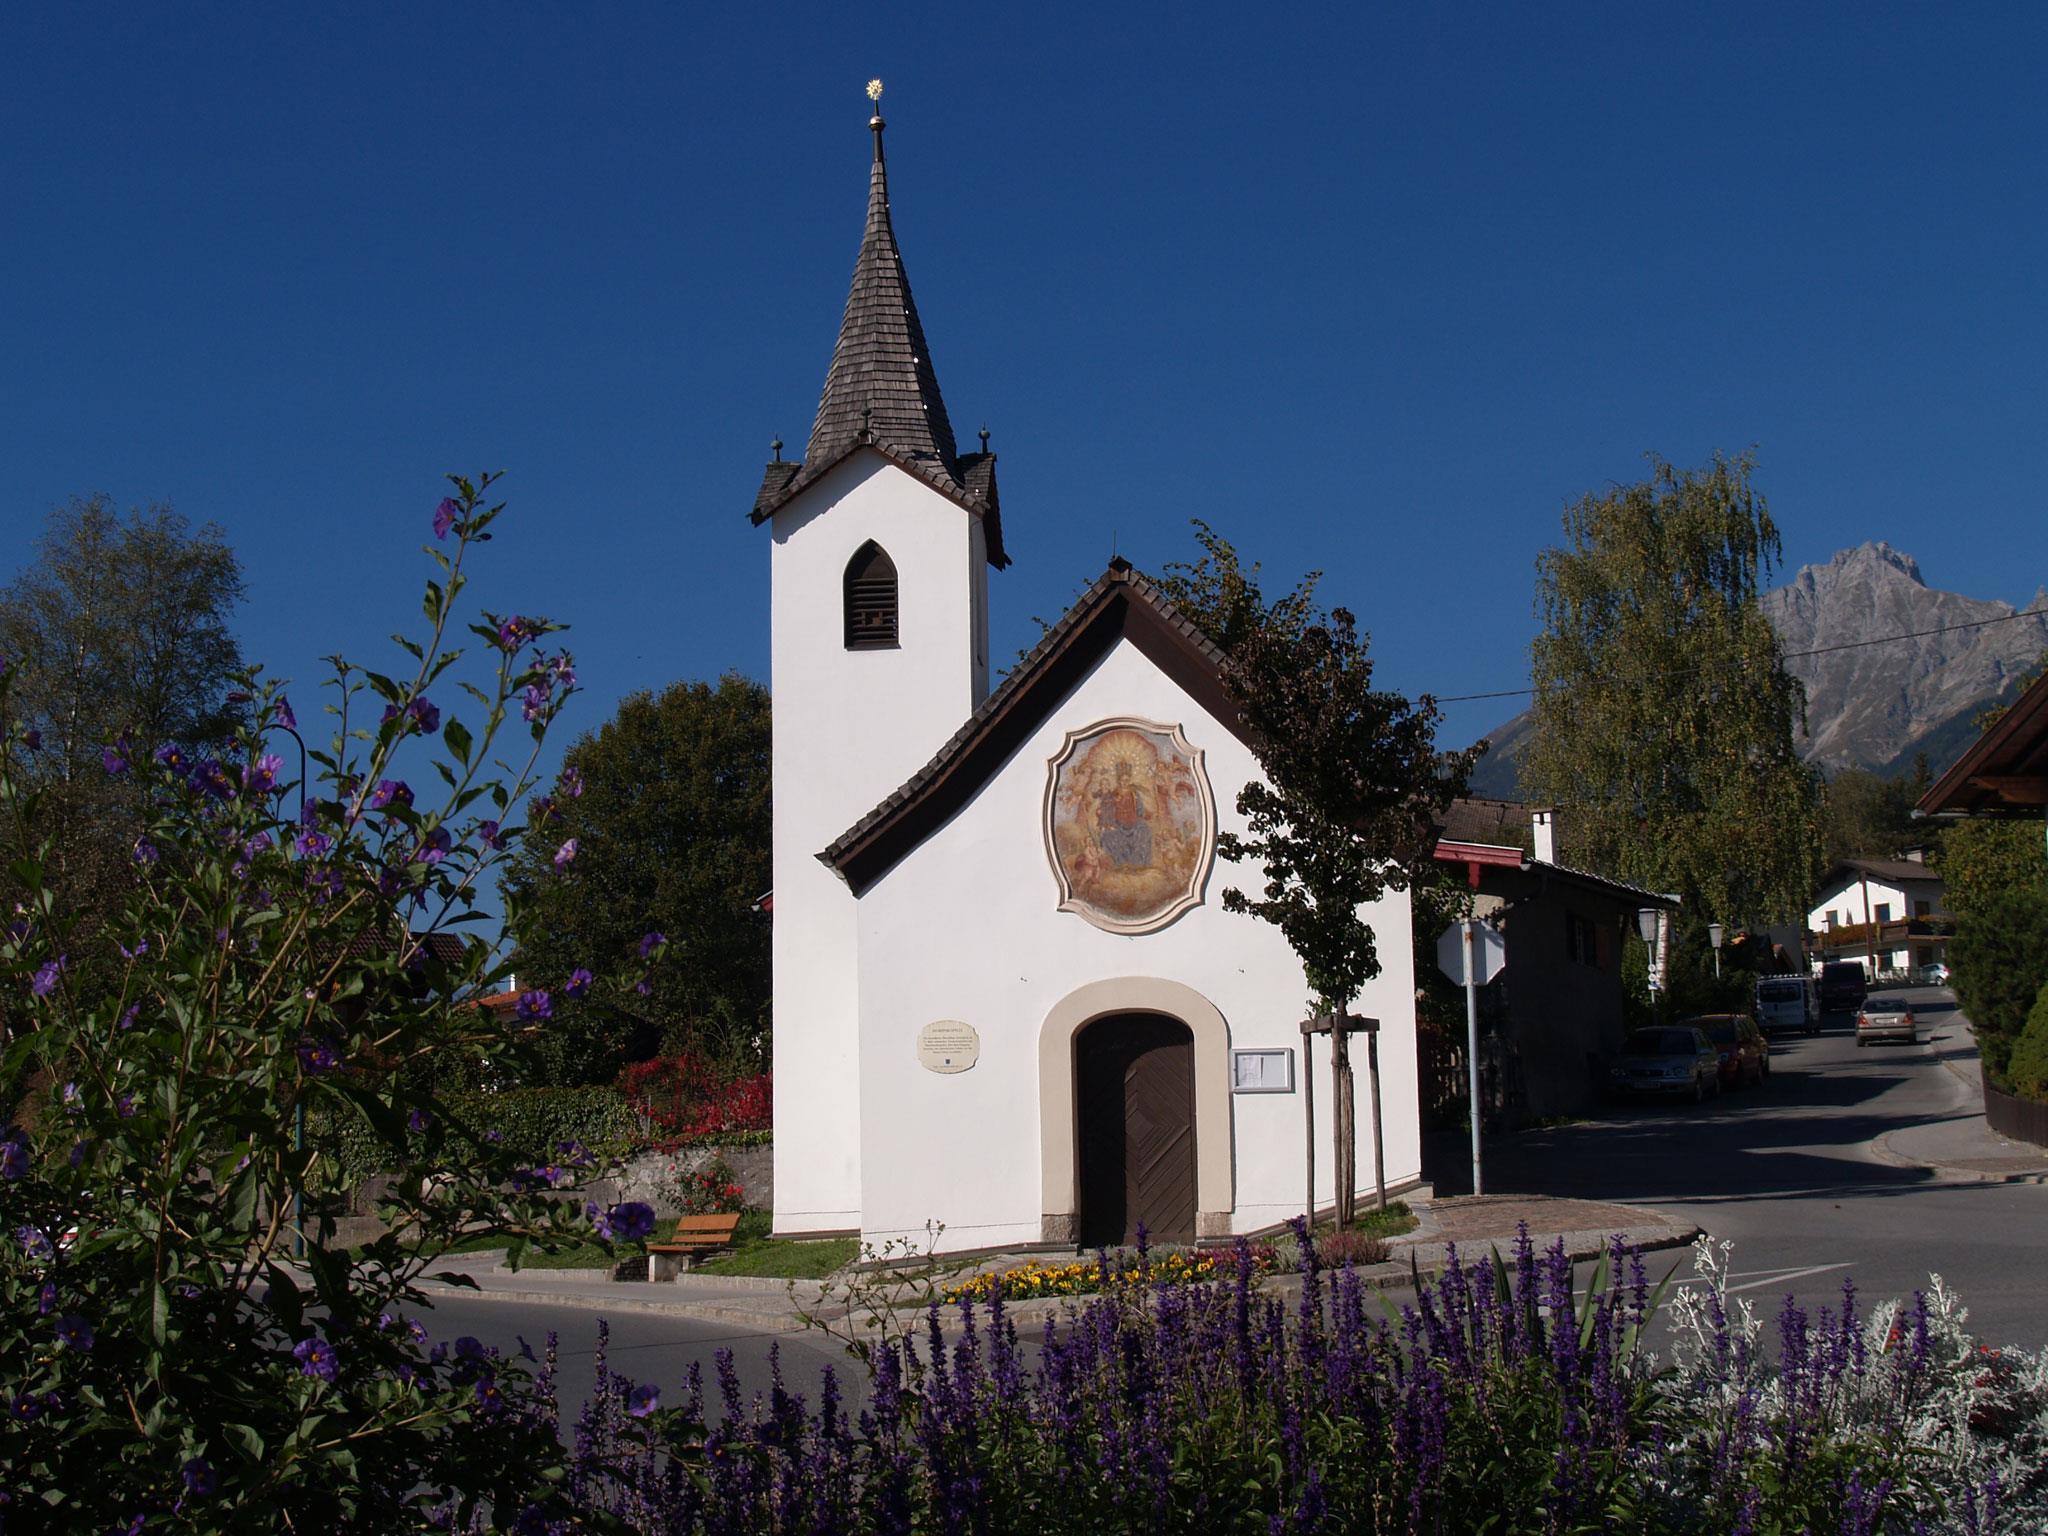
(695, 1236)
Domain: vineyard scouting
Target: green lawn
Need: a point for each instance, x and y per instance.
(1374, 1222)
(754, 1252)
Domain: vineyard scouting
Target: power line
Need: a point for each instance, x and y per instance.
(1822, 650)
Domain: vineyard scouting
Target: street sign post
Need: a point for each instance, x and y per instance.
(1471, 953)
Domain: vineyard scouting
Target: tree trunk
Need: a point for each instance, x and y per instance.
(1341, 1116)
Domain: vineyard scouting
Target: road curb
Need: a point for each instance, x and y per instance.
(695, 1311)
(1881, 1149)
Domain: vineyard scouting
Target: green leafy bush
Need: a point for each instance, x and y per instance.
(2000, 959)
(2027, 1070)
(249, 1027)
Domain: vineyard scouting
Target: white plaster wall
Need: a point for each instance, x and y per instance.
(1848, 906)
(850, 727)
(966, 928)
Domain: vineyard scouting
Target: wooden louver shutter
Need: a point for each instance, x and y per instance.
(871, 600)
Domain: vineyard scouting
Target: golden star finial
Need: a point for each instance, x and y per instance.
(875, 90)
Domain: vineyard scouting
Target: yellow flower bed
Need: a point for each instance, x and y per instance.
(1037, 1280)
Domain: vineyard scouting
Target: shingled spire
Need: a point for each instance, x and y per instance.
(881, 392)
(881, 375)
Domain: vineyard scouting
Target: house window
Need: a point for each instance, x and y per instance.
(1923, 908)
(1580, 945)
(1884, 911)
(871, 600)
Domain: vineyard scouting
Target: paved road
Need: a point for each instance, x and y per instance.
(646, 1347)
(1787, 1173)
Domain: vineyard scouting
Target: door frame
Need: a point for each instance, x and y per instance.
(1058, 1124)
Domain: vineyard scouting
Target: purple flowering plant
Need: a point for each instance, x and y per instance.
(270, 1014)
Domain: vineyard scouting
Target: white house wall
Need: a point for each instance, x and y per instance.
(849, 727)
(1847, 902)
(966, 927)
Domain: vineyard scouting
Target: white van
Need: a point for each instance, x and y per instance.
(1787, 1003)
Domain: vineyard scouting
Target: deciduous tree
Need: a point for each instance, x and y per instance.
(1664, 714)
(668, 807)
(1353, 788)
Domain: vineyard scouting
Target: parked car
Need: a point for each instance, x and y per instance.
(1671, 1058)
(1934, 974)
(1741, 1054)
(1843, 985)
(1785, 1003)
(1887, 1018)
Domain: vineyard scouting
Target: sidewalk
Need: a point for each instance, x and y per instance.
(1473, 1224)
(1960, 1146)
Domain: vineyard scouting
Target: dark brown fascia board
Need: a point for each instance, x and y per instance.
(1953, 790)
(806, 478)
(872, 851)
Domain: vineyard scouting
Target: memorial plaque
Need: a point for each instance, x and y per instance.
(948, 1045)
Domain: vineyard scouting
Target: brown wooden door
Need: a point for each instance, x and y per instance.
(1135, 1096)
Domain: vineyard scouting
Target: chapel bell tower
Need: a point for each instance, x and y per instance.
(883, 535)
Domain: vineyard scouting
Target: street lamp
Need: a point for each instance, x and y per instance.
(1714, 932)
(1647, 919)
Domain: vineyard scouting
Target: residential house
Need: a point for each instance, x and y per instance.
(1555, 1014)
(1885, 913)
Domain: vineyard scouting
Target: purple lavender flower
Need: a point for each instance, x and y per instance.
(390, 792)
(24, 1408)
(117, 756)
(45, 979)
(434, 846)
(35, 1244)
(46, 1298)
(541, 810)
(532, 702)
(281, 712)
(574, 1153)
(570, 783)
(32, 739)
(172, 757)
(642, 1401)
(260, 777)
(212, 779)
(578, 984)
(324, 884)
(564, 668)
(318, 1056)
(625, 1223)
(490, 834)
(200, 1481)
(124, 1106)
(141, 948)
(316, 1358)
(417, 1120)
(445, 517)
(650, 942)
(75, 1332)
(128, 1016)
(565, 855)
(516, 631)
(313, 845)
(533, 1006)
(425, 714)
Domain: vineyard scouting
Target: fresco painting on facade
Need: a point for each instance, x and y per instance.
(1130, 824)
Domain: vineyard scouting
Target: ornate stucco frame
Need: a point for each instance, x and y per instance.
(1205, 863)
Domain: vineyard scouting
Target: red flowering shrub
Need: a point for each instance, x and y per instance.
(712, 1190)
(682, 1098)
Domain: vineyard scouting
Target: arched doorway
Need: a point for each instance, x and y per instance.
(1134, 1093)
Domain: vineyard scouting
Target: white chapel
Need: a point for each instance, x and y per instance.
(1007, 998)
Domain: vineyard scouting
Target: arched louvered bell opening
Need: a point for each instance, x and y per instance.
(871, 600)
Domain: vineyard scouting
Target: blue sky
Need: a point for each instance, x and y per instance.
(1371, 289)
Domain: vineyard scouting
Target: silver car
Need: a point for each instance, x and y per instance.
(1887, 1017)
(1671, 1058)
